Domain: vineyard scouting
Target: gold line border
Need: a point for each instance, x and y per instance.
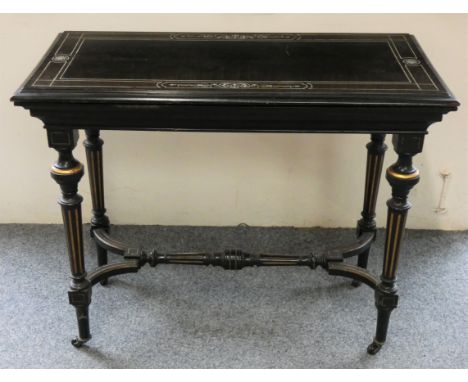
(389, 240)
(368, 177)
(374, 176)
(78, 241)
(395, 246)
(99, 179)
(91, 177)
(72, 243)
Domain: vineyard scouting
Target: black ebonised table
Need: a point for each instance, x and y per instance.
(373, 84)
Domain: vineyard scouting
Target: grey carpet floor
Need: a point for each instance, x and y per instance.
(205, 317)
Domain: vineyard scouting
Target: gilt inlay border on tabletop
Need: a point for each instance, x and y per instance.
(52, 75)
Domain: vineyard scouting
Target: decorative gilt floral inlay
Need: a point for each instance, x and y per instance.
(411, 61)
(60, 58)
(235, 36)
(264, 85)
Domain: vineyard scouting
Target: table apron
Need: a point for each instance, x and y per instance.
(238, 119)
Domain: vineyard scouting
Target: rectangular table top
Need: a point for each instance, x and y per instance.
(236, 68)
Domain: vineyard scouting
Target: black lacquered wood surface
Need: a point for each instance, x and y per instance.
(283, 82)
(273, 68)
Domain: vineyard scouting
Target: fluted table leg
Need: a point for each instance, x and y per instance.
(93, 145)
(375, 156)
(67, 172)
(402, 176)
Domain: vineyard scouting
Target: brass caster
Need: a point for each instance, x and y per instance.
(374, 347)
(78, 342)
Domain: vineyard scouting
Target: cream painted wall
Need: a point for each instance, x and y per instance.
(227, 179)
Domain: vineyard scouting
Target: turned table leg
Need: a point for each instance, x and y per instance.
(67, 172)
(93, 145)
(402, 176)
(375, 156)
